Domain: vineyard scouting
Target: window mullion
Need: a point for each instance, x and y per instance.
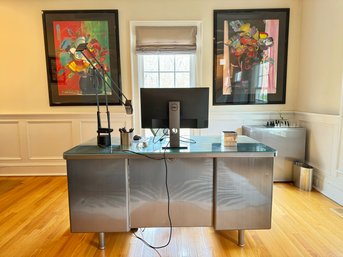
(192, 71)
(174, 71)
(159, 71)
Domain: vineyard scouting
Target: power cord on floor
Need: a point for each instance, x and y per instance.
(141, 230)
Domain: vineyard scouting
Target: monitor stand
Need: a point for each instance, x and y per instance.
(174, 126)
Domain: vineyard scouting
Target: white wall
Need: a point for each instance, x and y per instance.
(23, 79)
(321, 55)
(320, 97)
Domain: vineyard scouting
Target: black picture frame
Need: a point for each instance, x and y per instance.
(69, 79)
(250, 56)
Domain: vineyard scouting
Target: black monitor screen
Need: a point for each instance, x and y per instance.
(193, 107)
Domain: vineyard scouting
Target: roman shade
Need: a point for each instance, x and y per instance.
(174, 39)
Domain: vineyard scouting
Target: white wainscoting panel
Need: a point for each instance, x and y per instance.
(9, 140)
(48, 139)
(87, 130)
(320, 144)
(33, 144)
(322, 152)
(340, 159)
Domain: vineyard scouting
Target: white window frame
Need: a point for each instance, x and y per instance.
(134, 61)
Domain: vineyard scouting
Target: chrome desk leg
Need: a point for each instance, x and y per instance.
(101, 240)
(241, 237)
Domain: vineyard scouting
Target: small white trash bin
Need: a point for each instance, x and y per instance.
(302, 176)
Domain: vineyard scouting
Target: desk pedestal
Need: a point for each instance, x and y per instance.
(113, 189)
(115, 195)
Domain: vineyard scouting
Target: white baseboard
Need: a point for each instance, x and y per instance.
(330, 189)
(33, 170)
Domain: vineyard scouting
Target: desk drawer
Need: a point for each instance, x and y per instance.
(243, 194)
(190, 184)
(98, 195)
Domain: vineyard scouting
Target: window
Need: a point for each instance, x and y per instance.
(164, 54)
(166, 70)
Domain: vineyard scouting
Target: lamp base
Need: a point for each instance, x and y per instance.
(104, 140)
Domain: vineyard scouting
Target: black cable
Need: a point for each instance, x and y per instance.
(168, 202)
(189, 140)
(155, 134)
(142, 230)
(164, 135)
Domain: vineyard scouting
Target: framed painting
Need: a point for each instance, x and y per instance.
(71, 80)
(250, 56)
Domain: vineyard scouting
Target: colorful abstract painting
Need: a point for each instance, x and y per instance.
(72, 68)
(250, 56)
(71, 78)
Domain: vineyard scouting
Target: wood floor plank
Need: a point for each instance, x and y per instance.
(34, 221)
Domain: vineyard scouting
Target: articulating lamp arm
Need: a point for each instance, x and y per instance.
(128, 104)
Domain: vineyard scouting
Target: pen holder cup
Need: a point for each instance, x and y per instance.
(125, 139)
(230, 138)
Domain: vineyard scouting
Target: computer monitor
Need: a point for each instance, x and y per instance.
(174, 108)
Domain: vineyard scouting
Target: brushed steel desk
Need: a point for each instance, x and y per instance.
(115, 189)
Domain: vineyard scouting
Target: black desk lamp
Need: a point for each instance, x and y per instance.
(104, 134)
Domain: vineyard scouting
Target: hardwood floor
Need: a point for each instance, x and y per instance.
(34, 221)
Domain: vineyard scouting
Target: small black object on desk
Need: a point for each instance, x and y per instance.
(136, 137)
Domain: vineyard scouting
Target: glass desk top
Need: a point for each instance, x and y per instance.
(201, 146)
